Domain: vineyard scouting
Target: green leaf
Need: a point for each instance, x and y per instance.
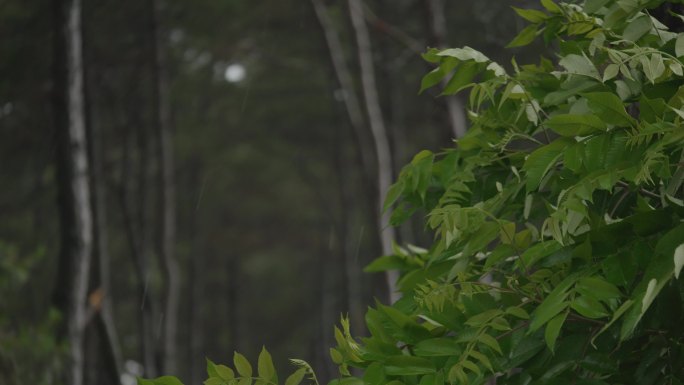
(608, 107)
(575, 125)
(531, 15)
(651, 110)
(393, 194)
(482, 358)
(296, 377)
(242, 365)
(214, 381)
(384, 263)
(518, 312)
(421, 172)
(211, 369)
(525, 349)
(336, 356)
(553, 330)
(545, 313)
(572, 157)
(457, 375)
(435, 76)
(490, 341)
(653, 67)
(354, 381)
(164, 380)
(658, 65)
(679, 45)
(637, 28)
(678, 260)
(580, 65)
(525, 37)
(610, 72)
(437, 347)
(540, 161)
(591, 6)
(408, 366)
(374, 374)
(553, 304)
(658, 273)
(571, 87)
(464, 54)
(470, 365)
(167, 380)
(537, 252)
(588, 307)
(550, 6)
(650, 294)
(598, 288)
(463, 76)
(265, 366)
(224, 372)
(669, 242)
(618, 313)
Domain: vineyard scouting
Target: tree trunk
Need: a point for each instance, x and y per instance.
(349, 253)
(379, 132)
(438, 34)
(346, 83)
(73, 183)
(106, 346)
(136, 236)
(166, 198)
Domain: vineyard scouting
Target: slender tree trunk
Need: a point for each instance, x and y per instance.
(108, 351)
(346, 83)
(167, 192)
(73, 183)
(136, 235)
(438, 34)
(195, 283)
(350, 264)
(379, 132)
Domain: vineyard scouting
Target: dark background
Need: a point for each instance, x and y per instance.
(275, 207)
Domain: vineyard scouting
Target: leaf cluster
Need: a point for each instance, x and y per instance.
(558, 217)
(243, 373)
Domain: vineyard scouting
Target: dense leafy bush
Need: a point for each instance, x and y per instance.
(558, 218)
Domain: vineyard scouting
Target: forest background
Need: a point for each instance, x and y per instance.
(237, 151)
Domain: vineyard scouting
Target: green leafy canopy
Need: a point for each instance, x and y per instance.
(558, 219)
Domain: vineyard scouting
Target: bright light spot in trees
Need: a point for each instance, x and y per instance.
(235, 73)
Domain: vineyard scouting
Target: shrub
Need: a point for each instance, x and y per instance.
(558, 218)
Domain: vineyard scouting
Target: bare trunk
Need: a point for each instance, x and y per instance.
(344, 78)
(167, 209)
(107, 349)
(378, 130)
(136, 234)
(73, 183)
(349, 253)
(438, 31)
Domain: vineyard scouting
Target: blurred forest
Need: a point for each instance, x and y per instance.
(184, 179)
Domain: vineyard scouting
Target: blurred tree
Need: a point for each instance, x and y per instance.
(276, 184)
(166, 188)
(74, 186)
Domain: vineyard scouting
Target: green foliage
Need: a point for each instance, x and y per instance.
(558, 218)
(31, 341)
(243, 373)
